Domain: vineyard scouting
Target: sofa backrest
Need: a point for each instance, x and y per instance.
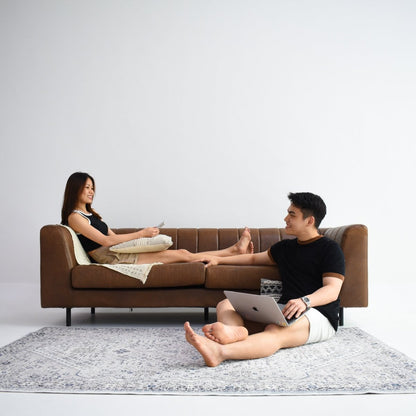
(209, 239)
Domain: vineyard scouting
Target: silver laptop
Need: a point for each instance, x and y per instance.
(259, 308)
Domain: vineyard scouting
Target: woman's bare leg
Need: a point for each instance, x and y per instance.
(167, 256)
(258, 345)
(243, 246)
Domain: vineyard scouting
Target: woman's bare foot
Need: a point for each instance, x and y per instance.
(210, 350)
(225, 334)
(244, 244)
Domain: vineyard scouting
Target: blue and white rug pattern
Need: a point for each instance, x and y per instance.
(160, 361)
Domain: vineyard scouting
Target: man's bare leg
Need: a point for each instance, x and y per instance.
(255, 346)
(229, 326)
(210, 350)
(225, 334)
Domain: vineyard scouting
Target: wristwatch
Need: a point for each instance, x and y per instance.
(307, 302)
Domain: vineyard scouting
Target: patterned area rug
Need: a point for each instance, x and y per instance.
(160, 361)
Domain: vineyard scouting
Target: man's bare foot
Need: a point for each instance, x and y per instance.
(244, 244)
(225, 334)
(210, 350)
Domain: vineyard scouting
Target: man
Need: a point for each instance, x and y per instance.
(312, 270)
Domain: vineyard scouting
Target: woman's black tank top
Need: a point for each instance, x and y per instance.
(101, 226)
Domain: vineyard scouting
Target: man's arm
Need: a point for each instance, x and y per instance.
(328, 293)
(242, 259)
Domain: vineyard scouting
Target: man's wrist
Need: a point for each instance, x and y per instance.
(307, 302)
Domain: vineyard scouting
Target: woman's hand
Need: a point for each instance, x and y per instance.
(148, 232)
(294, 308)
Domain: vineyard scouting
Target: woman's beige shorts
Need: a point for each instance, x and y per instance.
(103, 255)
(319, 327)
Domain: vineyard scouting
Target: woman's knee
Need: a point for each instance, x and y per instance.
(184, 254)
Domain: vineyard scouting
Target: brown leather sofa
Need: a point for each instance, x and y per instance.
(65, 284)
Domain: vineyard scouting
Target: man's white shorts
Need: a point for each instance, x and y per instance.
(319, 327)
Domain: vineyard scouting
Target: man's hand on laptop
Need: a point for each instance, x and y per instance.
(294, 308)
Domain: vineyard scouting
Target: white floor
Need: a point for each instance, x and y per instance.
(20, 313)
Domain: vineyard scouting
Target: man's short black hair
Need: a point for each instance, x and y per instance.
(310, 205)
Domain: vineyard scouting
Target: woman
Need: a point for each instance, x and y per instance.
(96, 237)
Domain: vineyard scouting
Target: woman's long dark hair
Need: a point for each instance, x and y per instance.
(74, 187)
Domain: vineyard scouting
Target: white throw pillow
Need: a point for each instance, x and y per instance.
(144, 245)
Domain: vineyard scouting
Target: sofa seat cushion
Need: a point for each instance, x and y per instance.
(239, 277)
(161, 275)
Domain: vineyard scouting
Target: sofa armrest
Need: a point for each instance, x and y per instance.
(57, 258)
(353, 240)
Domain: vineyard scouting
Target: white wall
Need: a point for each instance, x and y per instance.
(207, 113)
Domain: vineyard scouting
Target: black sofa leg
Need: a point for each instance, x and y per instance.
(68, 316)
(92, 311)
(341, 316)
(206, 314)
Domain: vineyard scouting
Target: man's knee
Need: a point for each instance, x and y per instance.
(291, 336)
(224, 304)
(273, 328)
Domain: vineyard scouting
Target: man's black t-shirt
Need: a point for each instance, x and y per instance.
(302, 265)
